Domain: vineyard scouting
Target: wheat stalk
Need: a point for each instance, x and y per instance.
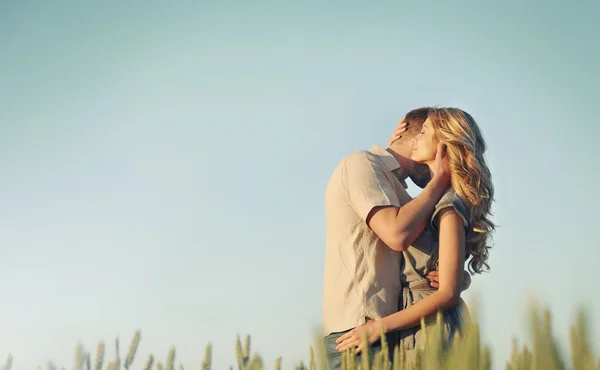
(464, 351)
(171, 359)
(149, 362)
(207, 363)
(99, 356)
(278, 363)
(135, 341)
(8, 363)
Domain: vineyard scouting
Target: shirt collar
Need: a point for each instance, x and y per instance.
(390, 162)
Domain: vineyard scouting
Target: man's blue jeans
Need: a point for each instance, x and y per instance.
(334, 358)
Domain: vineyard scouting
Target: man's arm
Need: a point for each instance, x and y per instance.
(371, 194)
(399, 227)
(434, 280)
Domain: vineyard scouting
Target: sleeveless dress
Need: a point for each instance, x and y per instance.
(418, 260)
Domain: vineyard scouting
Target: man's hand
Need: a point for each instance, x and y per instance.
(434, 280)
(400, 129)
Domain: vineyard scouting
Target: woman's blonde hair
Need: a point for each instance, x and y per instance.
(470, 177)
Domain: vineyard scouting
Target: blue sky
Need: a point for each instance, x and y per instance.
(164, 166)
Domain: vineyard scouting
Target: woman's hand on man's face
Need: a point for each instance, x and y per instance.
(441, 166)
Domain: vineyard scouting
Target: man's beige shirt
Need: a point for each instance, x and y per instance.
(362, 274)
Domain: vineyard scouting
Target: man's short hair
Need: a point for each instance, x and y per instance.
(415, 119)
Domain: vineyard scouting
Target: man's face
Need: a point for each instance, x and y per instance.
(418, 172)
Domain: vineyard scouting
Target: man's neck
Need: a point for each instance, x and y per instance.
(404, 161)
(430, 167)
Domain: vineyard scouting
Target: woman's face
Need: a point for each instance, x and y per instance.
(425, 144)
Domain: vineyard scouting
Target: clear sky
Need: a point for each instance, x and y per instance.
(164, 164)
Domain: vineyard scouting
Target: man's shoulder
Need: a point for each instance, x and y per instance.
(358, 165)
(361, 158)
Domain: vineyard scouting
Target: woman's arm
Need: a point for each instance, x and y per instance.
(451, 265)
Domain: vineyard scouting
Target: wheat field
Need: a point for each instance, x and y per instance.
(465, 352)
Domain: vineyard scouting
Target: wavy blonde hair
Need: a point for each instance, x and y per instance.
(470, 177)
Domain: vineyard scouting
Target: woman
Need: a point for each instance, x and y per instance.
(461, 223)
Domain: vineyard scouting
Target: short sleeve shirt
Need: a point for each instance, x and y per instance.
(362, 274)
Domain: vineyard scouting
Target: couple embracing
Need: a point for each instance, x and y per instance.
(392, 260)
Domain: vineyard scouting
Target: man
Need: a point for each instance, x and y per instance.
(370, 219)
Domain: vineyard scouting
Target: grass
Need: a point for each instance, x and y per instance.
(465, 352)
